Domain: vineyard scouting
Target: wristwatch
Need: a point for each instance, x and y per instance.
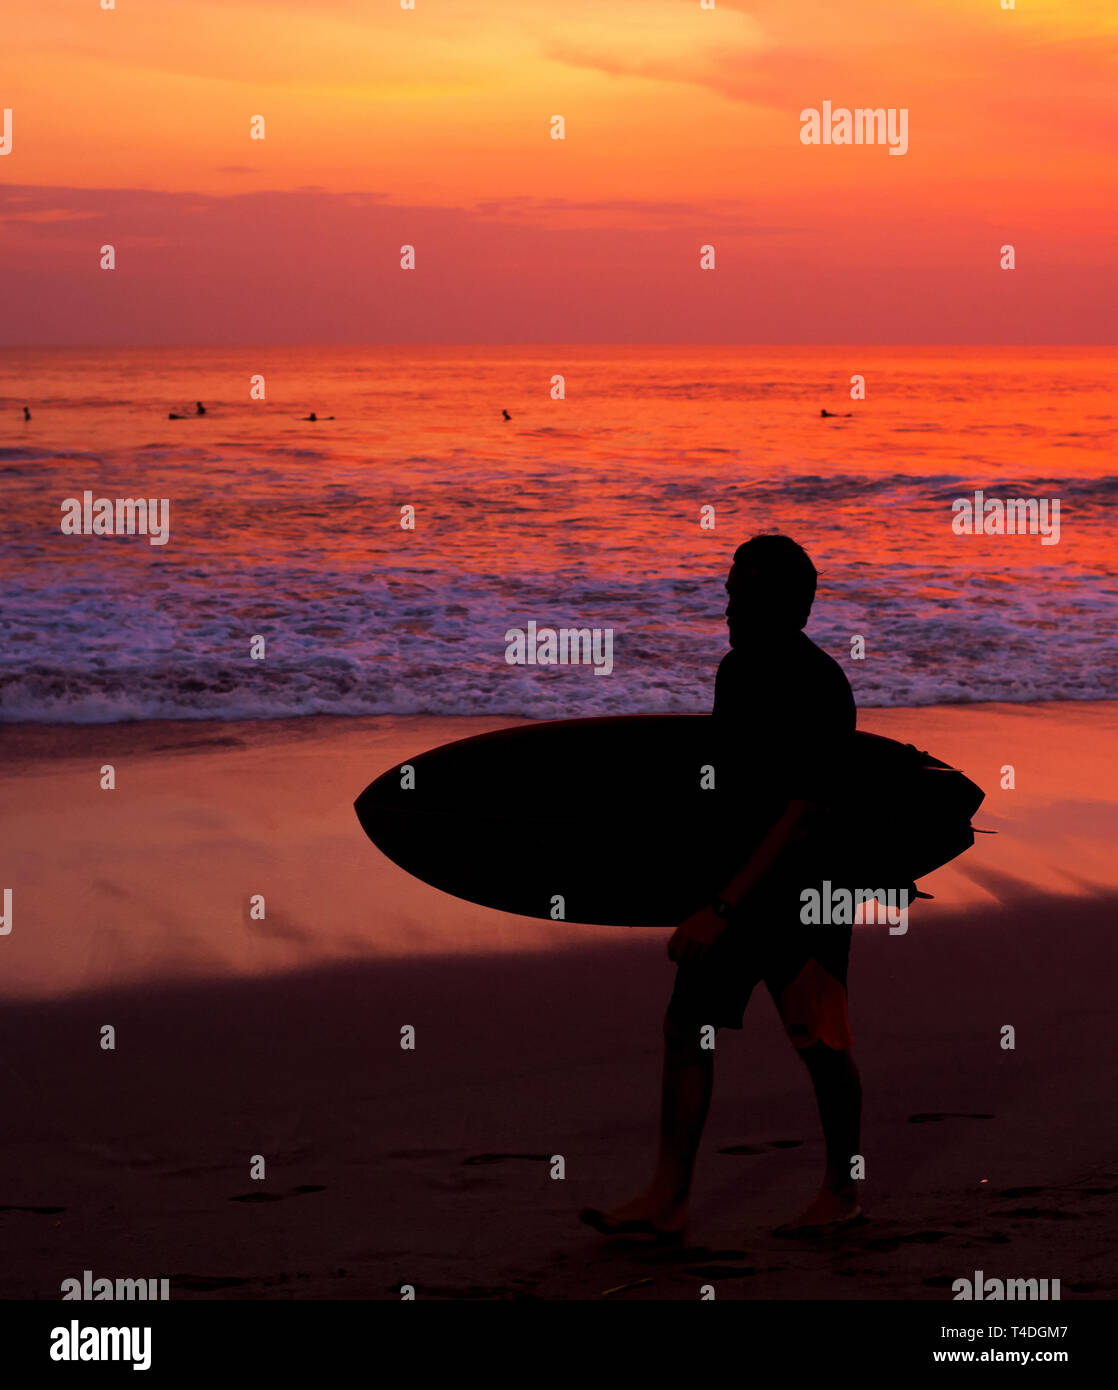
(721, 908)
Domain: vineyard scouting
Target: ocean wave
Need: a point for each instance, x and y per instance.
(30, 455)
(582, 516)
(436, 676)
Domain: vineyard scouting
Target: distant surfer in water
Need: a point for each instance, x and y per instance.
(26, 413)
(786, 708)
(506, 414)
(834, 415)
(199, 408)
(313, 418)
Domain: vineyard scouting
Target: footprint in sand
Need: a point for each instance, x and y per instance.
(722, 1271)
(211, 1283)
(205, 1283)
(489, 1291)
(1040, 1214)
(499, 1158)
(275, 1196)
(931, 1116)
(750, 1149)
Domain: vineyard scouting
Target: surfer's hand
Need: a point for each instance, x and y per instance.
(693, 938)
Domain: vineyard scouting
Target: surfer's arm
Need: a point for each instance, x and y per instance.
(693, 937)
(791, 828)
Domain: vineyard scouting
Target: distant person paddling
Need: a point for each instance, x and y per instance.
(785, 711)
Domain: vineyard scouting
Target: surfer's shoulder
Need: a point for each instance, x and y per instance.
(730, 669)
(727, 682)
(823, 665)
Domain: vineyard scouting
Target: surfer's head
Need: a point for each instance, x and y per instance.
(771, 587)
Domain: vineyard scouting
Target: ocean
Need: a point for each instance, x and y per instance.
(577, 512)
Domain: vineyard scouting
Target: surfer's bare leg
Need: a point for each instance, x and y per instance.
(838, 1093)
(686, 1085)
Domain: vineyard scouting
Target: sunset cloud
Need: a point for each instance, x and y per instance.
(682, 127)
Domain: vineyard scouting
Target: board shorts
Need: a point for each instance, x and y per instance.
(803, 967)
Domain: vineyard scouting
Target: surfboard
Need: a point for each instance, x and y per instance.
(638, 820)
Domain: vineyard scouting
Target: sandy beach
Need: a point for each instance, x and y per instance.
(237, 1037)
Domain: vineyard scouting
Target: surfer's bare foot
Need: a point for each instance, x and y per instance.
(831, 1210)
(649, 1212)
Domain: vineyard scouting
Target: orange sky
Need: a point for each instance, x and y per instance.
(431, 127)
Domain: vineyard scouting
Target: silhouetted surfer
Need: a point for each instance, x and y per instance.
(26, 413)
(199, 408)
(787, 714)
(314, 418)
(834, 415)
(506, 414)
